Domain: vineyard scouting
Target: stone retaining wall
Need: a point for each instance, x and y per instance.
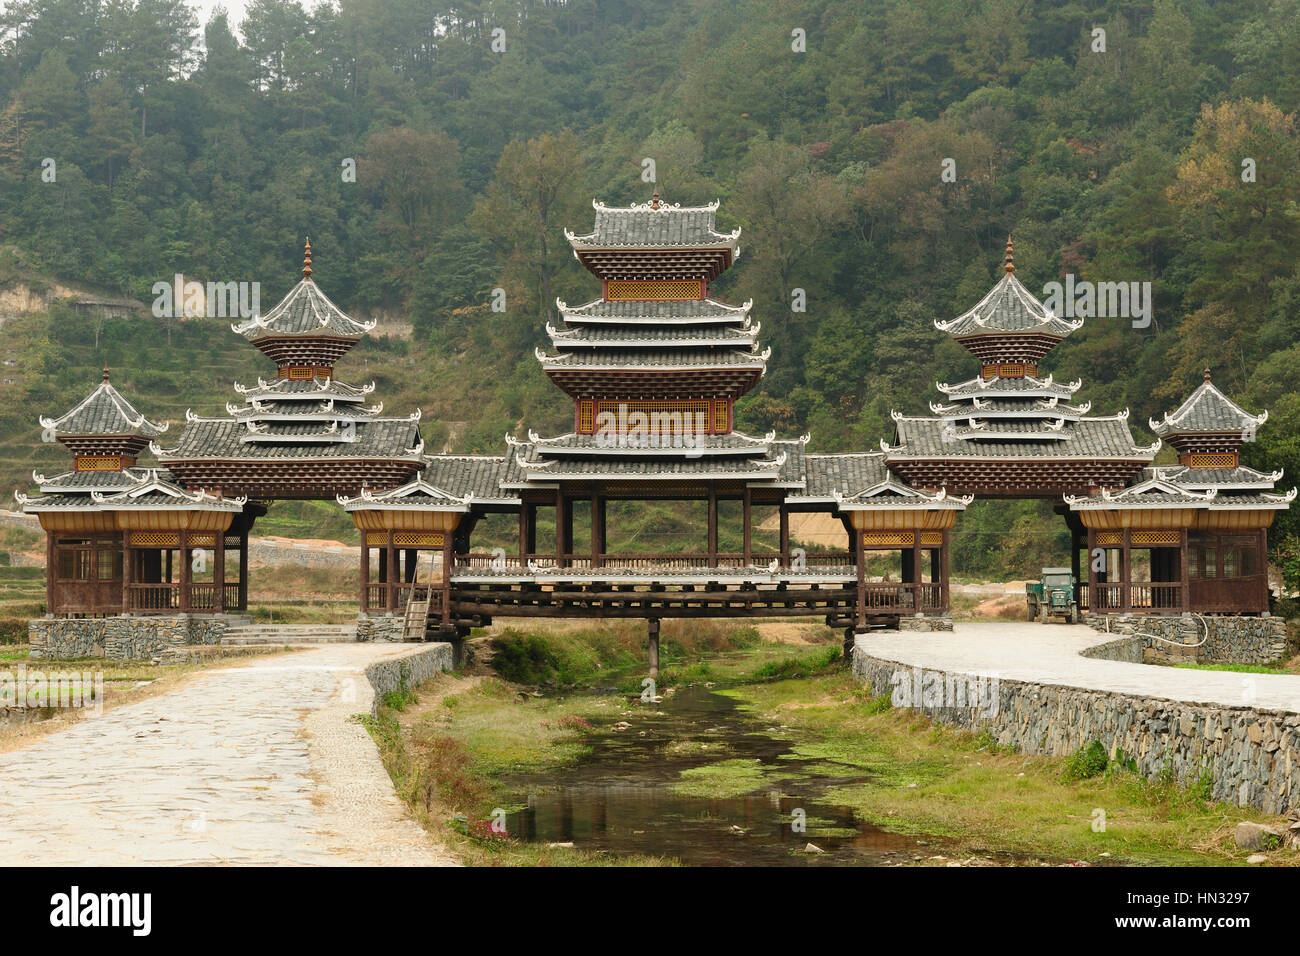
(379, 627)
(123, 638)
(925, 622)
(409, 670)
(1252, 756)
(1230, 639)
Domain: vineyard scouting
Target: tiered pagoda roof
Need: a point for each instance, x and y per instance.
(1208, 422)
(101, 427)
(1208, 429)
(1010, 431)
(304, 434)
(105, 432)
(656, 240)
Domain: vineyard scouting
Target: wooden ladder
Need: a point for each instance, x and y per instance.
(416, 620)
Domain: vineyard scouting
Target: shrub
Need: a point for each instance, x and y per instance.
(1088, 761)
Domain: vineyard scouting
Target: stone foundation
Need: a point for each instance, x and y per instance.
(379, 627)
(1252, 756)
(123, 638)
(926, 622)
(1231, 639)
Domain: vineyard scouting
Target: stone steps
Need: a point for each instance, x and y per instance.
(251, 634)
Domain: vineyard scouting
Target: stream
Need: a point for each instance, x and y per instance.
(620, 798)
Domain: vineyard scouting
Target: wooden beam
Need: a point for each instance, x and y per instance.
(860, 561)
(785, 535)
(1184, 569)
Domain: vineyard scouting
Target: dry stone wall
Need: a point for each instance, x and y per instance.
(1251, 756)
(123, 638)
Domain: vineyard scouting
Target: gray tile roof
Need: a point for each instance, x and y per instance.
(1026, 387)
(666, 358)
(646, 336)
(673, 310)
(640, 225)
(1207, 410)
(379, 438)
(479, 476)
(846, 474)
(314, 388)
(1086, 438)
(731, 444)
(1008, 308)
(1200, 478)
(103, 412)
(305, 311)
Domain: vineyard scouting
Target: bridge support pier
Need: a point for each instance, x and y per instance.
(653, 629)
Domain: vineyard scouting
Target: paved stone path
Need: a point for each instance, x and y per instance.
(254, 764)
(1049, 654)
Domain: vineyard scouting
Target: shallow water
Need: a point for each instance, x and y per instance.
(619, 798)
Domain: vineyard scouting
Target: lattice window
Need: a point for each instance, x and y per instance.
(203, 541)
(155, 539)
(1009, 370)
(304, 372)
(1154, 537)
(418, 539)
(932, 537)
(886, 538)
(655, 290)
(722, 417)
(98, 463)
(1225, 459)
(662, 417)
(586, 417)
(1110, 537)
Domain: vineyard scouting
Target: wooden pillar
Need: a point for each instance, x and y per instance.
(530, 544)
(713, 528)
(447, 560)
(243, 570)
(218, 573)
(944, 572)
(561, 523)
(525, 532)
(917, 588)
(1075, 567)
(749, 537)
(1261, 563)
(1126, 574)
(187, 576)
(126, 572)
(860, 560)
(364, 603)
(597, 519)
(390, 552)
(653, 628)
(1184, 570)
(785, 536)
(410, 561)
(51, 571)
(603, 541)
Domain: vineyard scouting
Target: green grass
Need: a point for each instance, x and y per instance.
(1237, 668)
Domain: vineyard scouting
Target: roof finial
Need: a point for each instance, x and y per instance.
(654, 200)
(1207, 373)
(1010, 265)
(306, 260)
(105, 373)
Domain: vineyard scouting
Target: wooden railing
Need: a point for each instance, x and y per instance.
(1247, 593)
(681, 562)
(906, 597)
(165, 598)
(1138, 596)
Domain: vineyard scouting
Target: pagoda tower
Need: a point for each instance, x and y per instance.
(119, 537)
(654, 366)
(1010, 431)
(303, 434)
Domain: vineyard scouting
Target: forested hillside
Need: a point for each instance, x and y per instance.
(207, 151)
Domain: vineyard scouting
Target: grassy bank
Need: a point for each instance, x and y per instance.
(451, 745)
(924, 778)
